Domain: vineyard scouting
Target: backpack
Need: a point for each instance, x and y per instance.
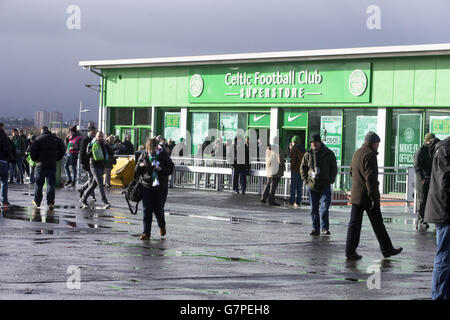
(133, 193)
(97, 152)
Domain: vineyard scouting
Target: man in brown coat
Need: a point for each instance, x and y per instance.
(275, 170)
(366, 197)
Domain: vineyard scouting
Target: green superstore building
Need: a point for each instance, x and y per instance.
(401, 92)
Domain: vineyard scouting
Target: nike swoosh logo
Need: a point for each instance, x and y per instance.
(255, 118)
(292, 119)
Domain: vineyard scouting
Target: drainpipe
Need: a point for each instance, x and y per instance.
(101, 111)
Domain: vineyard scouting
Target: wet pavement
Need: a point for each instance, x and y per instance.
(218, 246)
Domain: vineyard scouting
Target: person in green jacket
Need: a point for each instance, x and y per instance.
(318, 172)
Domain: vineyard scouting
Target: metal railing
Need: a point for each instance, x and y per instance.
(396, 183)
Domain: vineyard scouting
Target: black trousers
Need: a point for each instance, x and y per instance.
(354, 229)
(269, 190)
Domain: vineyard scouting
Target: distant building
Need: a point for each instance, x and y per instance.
(41, 118)
(56, 116)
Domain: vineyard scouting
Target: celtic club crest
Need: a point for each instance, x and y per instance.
(357, 83)
(196, 85)
(409, 135)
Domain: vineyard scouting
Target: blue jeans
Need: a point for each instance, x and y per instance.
(41, 175)
(4, 180)
(440, 287)
(322, 199)
(153, 202)
(71, 160)
(19, 163)
(296, 188)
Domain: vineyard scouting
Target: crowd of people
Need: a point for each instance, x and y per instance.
(315, 168)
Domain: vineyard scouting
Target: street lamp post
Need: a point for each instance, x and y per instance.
(79, 128)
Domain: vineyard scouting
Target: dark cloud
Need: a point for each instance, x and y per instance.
(40, 55)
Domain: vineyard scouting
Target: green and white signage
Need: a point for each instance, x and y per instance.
(282, 83)
(408, 139)
(200, 123)
(364, 124)
(259, 120)
(172, 125)
(228, 125)
(295, 119)
(331, 134)
(440, 126)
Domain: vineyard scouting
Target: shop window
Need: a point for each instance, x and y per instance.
(406, 136)
(357, 122)
(203, 125)
(438, 122)
(123, 116)
(143, 116)
(231, 124)
(328, 123)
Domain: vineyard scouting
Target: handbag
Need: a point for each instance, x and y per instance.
(133, 193)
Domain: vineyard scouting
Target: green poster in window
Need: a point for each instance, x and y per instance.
(228, 125)
(364, 124)
(172, 125)
(440, 126)
(331, 134)
(408, 139)
(200, 124)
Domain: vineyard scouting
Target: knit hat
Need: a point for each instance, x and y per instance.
(315, 138)
(372, 137)
(73, 129)
(295, 139)
(429, 136)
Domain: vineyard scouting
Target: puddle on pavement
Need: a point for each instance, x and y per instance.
(34, 215)
(225, 259)
(399, 221)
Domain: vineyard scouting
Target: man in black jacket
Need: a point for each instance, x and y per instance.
(46, 150)
(437, 211)
(4, 158)
(241, 165)
(422, 166)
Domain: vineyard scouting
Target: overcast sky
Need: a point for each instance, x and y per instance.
(39, 54)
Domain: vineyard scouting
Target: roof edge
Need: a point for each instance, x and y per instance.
(305, 55)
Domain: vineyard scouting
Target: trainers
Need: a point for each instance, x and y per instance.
(235, 192)
(354, 257)
(162, 232)
(73, 184)
(80, 191)
(315, 233)
(106, 206)
(144, 237)
(393, 252)
(51, 206)
(326, 233)
(83, 204)
(243, 193)
(263, 201)
(36, 204)
(67, 183)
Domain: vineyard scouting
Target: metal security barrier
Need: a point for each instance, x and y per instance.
(396, 183)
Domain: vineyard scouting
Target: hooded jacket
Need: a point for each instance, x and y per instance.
(437, 209)
(326, 161)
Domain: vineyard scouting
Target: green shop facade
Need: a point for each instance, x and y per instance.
(400, 92)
